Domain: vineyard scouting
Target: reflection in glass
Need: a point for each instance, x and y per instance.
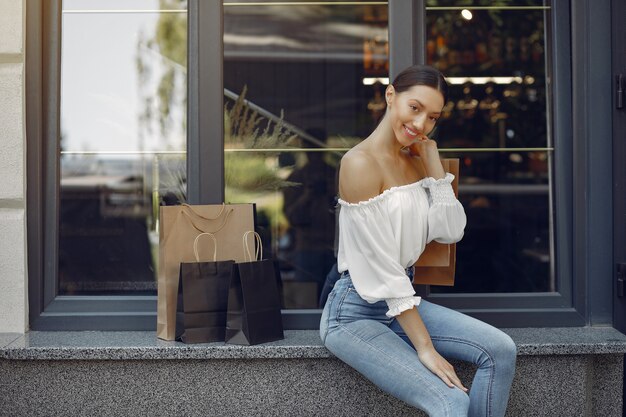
(495, 60)
(123, 140)
(304, 69)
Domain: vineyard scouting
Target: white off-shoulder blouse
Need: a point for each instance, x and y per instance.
(381, 237)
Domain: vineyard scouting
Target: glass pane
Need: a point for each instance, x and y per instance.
(497, 122)
(309, 73)
(123, 144)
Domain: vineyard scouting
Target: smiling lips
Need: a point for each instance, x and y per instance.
(410, 133)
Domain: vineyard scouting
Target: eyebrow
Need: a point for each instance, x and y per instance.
(422, 105)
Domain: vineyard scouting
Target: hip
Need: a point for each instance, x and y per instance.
(345, 304)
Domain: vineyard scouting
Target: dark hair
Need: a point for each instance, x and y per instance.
(421, 75)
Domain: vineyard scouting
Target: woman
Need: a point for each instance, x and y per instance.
(395, 197)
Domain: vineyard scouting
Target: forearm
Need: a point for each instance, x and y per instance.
(414, 327)
(429, 156)
(434, 167)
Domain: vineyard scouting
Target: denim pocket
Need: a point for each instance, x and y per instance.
(352, 307)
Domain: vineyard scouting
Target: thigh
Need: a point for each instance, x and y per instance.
(457, 335)
(375, 351)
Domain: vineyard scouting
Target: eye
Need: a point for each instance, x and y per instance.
(434, 119)
(414, 108)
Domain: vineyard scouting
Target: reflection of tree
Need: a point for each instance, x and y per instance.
(170, 44)
(244, 128)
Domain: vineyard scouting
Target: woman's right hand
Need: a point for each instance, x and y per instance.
(414, 327)
(440, 367)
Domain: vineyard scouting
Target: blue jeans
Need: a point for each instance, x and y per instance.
(331, 278)
(361, 335)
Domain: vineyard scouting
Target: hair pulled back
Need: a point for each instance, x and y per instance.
(421, 75)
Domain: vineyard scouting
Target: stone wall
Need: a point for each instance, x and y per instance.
(13, 271)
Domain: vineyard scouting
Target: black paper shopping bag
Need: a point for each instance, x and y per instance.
(253, 301)
(203, 299)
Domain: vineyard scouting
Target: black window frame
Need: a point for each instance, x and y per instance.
(618, 43)
(581, 166)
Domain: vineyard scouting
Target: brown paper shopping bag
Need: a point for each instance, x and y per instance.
(436, 264)
(179, 226)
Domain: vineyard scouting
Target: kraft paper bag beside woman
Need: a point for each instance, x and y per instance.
(395, 197)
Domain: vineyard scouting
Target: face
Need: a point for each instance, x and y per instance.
(414, 112)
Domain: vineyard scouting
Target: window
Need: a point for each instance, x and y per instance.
(497, 121)
(123, 140)
(113, 147)
(310, 74)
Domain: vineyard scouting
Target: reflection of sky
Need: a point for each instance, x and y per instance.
(330, 29)
(100, 93)
(101, 99)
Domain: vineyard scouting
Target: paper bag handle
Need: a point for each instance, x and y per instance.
(203, 217)
(228, 213)
(195, 246)
(246, 247)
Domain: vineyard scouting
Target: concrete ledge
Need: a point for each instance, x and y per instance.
(7, 338)
(297, 344)
(560, 372)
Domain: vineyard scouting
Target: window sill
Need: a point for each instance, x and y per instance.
(298, 344)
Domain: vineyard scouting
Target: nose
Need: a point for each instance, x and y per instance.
(419, 122)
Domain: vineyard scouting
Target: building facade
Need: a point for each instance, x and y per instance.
(110, 110)
(13, 278)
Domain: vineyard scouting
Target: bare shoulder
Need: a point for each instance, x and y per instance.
(360, 176)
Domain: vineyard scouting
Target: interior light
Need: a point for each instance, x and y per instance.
(373, 80)
(483, 80)
(467, 15)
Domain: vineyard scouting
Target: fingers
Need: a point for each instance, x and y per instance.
(442, 368)
(444, 378)
(457, 382)
(450, 378)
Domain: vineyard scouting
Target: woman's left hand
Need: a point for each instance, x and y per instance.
(427, 150)
(424, 147)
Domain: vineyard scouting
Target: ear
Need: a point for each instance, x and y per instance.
(390, 92)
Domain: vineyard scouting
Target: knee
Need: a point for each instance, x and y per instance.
(508, 348)
(503, 349)
(498, 349)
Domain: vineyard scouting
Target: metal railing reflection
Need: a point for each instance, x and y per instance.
(294, 149)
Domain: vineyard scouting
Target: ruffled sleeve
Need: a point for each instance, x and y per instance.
(367, 244)
(446, 216)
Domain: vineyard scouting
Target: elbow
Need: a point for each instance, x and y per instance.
(451, 238)
(457, 232)
(450, 231)
(399, 305)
